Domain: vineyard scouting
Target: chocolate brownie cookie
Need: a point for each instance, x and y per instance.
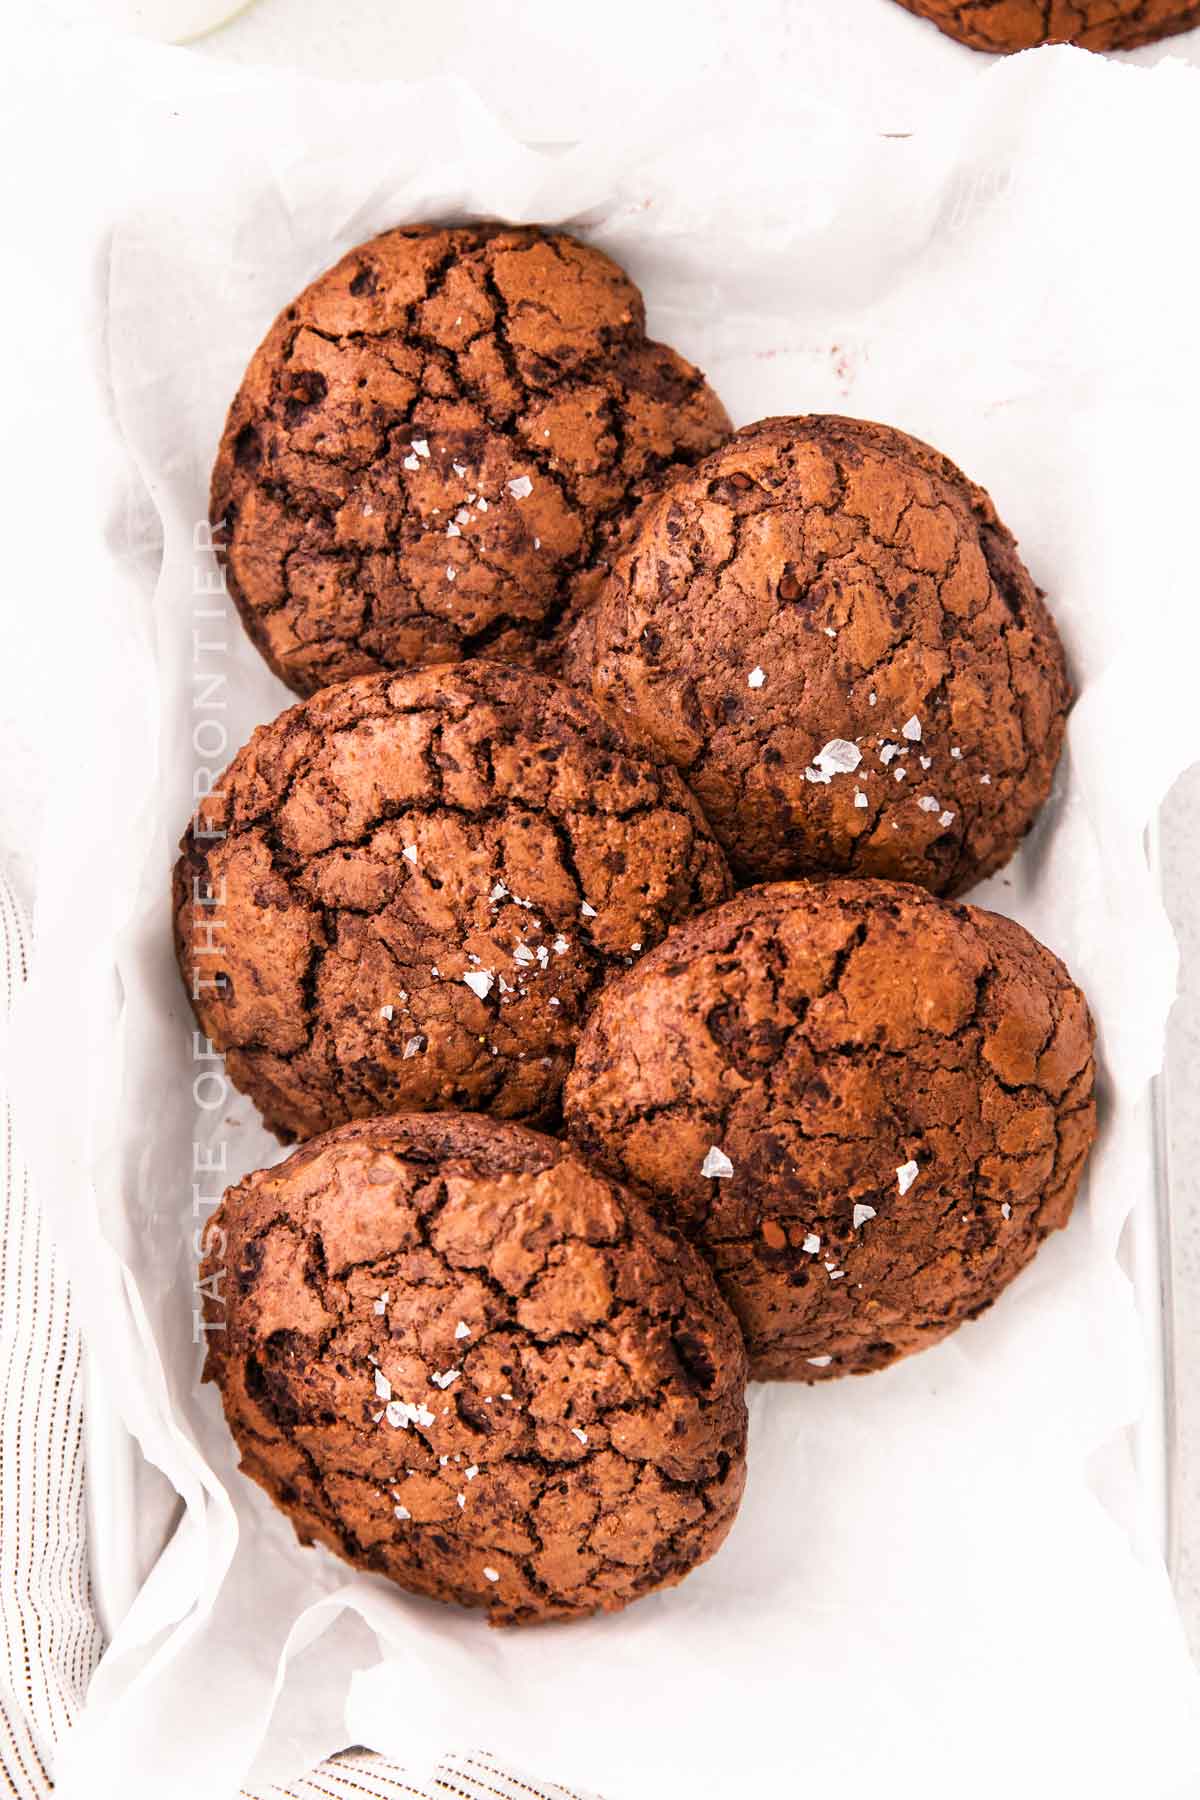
(827, 629)
(408, 889)
(1007, 25)
(457, 1356)
(434, 446)
(867, 1106)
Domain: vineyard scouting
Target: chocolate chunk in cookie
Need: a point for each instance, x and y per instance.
(867, 1106)
(407, 890)
(435, 446)
(458, 1357)
(1007, 25)
(827, 629)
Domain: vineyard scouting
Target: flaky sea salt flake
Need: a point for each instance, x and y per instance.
(911, 729)
(716, 1165)
(906, 1174)
(861, 1214)
(838, 757)
(480, 981)
(520, 487)
(755, 678)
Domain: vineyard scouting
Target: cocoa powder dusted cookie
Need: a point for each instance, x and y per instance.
(408, 889)
(1007, 25)
(458, 1357)
(827, 629)
(435, 445)
(866, 1106)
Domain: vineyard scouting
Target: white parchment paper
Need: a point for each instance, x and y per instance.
(941, 1581)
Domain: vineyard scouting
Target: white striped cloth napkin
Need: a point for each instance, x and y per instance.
(49, 1640)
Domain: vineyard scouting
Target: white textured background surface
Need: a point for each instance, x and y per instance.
(554, 75)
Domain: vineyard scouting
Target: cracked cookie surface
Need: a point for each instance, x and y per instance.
(865, 1105)
(435, 447)
(1007, 25)
(827, 629)
(456, 1356)
(407, 890)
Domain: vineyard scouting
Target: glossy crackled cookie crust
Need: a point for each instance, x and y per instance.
(435, 446)
(827, 629)
(867, 1106)
(457, 1357)
(408, 889)
(1007, 25)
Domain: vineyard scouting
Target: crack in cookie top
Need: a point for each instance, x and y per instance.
(434, 445)
(407, 890)
(866, 1105)
(827, 629)
(456, 1356)
(1003, 26)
